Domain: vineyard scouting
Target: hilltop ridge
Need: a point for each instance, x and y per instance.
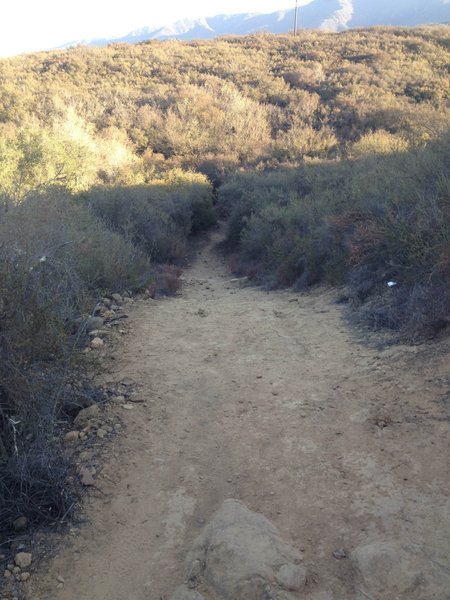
(329, 15)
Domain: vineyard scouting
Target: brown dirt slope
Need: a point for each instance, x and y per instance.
(266, 398)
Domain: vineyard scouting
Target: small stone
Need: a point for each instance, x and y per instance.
(106, 302)
(86, 477)
(20, 523)
(85, 415)
(99, 308)
(23, 559)
(94, 323)
(108, 315)
(71, 437)
(59, 586)
(276, 389)
(292, 577)
(7, 574)
(117, 298)
(118, 426)
(96, 343)
(25, 576)
(101, 433)
(60, 578)
(16, 570)
(340, 554)
(128, 406)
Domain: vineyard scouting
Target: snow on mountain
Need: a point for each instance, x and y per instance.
(181, 27)
(340, 18)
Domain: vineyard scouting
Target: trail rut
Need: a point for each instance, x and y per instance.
(266, 398)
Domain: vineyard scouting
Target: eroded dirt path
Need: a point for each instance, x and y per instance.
(266, 398)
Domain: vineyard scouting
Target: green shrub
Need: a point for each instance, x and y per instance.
(56, 258)
(363, 222)
(157, 217)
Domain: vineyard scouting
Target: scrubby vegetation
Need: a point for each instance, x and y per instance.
(59, 253)
(379, 223)
(123, 113)
(330, 158)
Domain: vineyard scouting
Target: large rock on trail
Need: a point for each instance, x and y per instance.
(387, 567)
(241, 556)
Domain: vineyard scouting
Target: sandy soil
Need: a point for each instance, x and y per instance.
(269, 399)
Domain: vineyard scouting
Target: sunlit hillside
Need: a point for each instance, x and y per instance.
(326, 154)
(234, 102)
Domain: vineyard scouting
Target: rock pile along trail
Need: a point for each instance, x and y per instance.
(266, 398)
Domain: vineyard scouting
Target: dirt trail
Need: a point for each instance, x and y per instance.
(266, 398)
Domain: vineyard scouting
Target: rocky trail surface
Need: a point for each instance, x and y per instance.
(336, 452)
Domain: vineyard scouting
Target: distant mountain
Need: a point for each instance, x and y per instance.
(333, 15)
(399, 12)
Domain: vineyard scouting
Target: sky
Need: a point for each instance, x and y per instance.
(30, 25)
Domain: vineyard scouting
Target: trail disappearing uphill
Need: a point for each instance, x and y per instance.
(266, 398)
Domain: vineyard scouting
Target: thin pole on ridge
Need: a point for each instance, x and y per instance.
(295, 17)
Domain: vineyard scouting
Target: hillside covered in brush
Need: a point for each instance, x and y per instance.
(327, 154)
(122, 113)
